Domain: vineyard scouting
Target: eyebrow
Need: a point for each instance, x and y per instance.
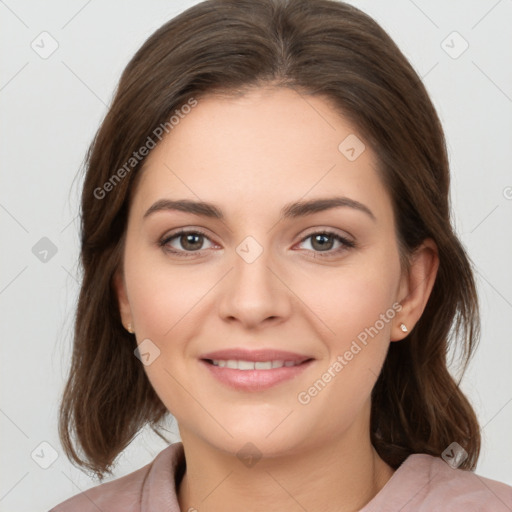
(291, 210)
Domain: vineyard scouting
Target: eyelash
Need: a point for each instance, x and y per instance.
(347, 244)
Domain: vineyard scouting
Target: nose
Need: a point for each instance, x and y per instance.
(254, 292)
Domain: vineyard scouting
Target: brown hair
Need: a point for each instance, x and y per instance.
(317, 47)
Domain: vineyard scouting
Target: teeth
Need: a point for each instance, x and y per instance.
(245, 365)
(251, 365)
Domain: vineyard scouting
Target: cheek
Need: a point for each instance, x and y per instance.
(162, 308)
(361, 320)
(161, 293)
(164, 300)
(352, 299)
(356, 304)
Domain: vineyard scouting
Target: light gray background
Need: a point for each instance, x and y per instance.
(50, 110)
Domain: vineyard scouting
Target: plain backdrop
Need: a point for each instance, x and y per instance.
(50, 110)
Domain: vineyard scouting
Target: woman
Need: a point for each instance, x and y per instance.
(268, 256)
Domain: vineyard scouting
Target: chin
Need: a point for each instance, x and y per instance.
(256, 434)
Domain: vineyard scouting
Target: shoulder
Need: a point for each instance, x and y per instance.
(424, 483)
(121, 494)
(464, 489)
(131, 492)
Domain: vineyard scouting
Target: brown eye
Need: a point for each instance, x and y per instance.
(191, 242)
(184, 242)
(323, 242)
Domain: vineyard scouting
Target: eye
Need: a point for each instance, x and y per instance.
(188, 242)
(323, 241)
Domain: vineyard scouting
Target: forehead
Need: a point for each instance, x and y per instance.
(259, 151)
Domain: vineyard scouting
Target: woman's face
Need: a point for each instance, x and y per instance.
(259, 281)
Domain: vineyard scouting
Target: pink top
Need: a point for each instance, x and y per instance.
(422, 483)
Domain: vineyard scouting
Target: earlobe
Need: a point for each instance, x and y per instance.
(415, 288)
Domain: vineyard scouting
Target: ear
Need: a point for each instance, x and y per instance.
(415, 287)
(122, 299)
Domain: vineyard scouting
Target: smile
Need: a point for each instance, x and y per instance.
(251, 365)
(252, 376)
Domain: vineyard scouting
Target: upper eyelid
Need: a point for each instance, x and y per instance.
(186, 231)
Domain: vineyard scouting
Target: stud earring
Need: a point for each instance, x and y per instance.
(403, 327)
(129, 328)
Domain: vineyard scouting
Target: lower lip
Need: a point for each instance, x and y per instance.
(255, 380)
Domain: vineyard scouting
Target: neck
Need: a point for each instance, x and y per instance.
(342, 475)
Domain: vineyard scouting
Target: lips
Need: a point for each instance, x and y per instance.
(254, 370)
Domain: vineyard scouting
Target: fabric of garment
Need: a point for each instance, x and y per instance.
(421, 483)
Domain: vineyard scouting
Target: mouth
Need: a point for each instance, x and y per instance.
(245, 365)
(254, 371)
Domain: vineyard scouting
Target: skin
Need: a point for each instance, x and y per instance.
(251, 156)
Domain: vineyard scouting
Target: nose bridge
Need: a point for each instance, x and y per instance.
(253, 292)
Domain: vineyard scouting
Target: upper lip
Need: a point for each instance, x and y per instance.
(241, 354)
